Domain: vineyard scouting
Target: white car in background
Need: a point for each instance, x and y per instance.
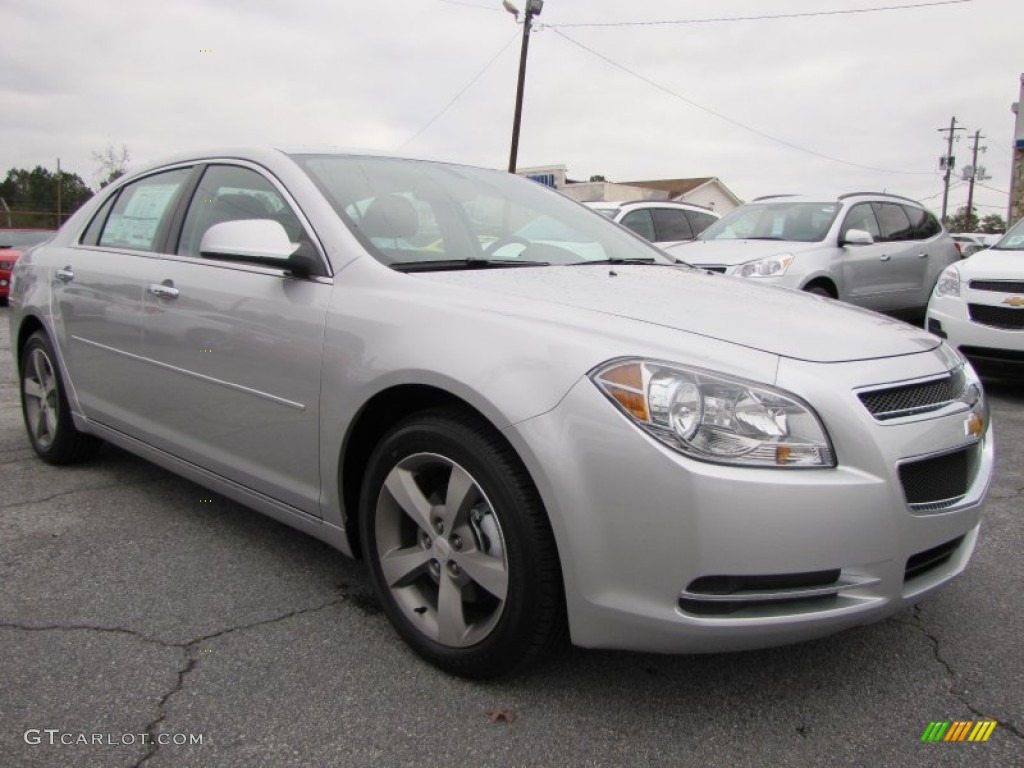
(978, 306)
(663, 222)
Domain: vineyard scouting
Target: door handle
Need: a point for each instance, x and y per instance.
(884, 257)
(66, 275)
(922, 255)
(164, 290)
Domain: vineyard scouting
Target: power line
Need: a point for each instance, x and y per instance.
(763, 17)
(986, 186)
(457, 96)
(733, 121)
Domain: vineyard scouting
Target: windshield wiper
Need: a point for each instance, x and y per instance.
(619, 260)
(445, 265)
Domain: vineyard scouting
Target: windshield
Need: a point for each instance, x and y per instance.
(1013, 240)
(413, 212)
(780, 220)
(23, 238)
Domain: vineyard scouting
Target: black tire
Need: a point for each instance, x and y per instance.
(496, 520)
(45, 410)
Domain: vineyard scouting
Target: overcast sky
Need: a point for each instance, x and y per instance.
(629, 101)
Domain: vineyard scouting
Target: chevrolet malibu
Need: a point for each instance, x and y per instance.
(526, 440)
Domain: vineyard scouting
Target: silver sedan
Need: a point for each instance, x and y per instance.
(531, 424)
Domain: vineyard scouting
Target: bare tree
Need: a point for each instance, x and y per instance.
(112, 163)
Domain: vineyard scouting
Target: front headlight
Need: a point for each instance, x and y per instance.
(948, 283)
(716, 418)
(770, 266)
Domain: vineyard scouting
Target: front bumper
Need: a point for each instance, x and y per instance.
(992, 351)
(642, 530)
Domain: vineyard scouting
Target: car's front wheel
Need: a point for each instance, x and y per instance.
(45, 407)
(459, 547)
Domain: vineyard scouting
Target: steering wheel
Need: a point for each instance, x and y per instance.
(501, 242)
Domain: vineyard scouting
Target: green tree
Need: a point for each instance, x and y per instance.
(962, 222)
(598, 177)
(993, 224)
(31, 196)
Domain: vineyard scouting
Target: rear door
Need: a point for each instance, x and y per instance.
(97, 296)
(237, 347)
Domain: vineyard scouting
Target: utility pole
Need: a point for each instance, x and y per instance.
(1015, 210)
(947, 162)
(974, 173)
(533, 8)
(58, 193)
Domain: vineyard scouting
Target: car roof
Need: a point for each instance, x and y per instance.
(637, 203)
(837, 198)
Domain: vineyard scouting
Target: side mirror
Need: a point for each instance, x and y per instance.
(857, 237)
(262, 241)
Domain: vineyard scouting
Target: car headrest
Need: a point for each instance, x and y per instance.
(390, 215)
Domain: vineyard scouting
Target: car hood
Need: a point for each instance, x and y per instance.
(776, 320)
(993, 264)
(731, 252)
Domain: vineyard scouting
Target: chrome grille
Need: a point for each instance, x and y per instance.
(1007, 318)
(999, 286)
(939, 482)
(919, 397)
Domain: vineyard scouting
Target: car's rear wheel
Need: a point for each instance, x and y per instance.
(45, 407)
(459, 547)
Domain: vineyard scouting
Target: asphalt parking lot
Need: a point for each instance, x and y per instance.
(136, 607)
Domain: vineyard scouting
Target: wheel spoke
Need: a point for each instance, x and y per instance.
(401, 484)
(488, 572)
(40, 427)
(462, 493)
(451, 623)
(51, 421)
(32, 388)
(403, 566)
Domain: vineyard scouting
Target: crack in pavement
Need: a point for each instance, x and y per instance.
(189, 649)
(87, 489)
(918, 624)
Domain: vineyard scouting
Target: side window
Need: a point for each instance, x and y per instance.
(91, 236)
(142, 211)
(671, 224)
(893, 221)
(232, 193)
(700, 221)
(640, 222)
(925, 226)
(861, 216)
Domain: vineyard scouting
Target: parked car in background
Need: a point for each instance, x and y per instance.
(660, 221)
(969, 243)
(522, 437)
(12, 243)
(878, 251)
(978, 306)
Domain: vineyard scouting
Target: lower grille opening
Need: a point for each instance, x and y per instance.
(1007, 318)
(728, 585)
(723, 595)
(938, 482)
(930, 559)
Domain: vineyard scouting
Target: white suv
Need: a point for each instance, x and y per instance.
(664, 222)
(876, 250)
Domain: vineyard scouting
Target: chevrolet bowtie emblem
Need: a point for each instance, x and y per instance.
(1014, 301)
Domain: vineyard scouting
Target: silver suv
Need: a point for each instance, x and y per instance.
(879, 251)
(664, 222)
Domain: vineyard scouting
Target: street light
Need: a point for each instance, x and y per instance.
(533, 8)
